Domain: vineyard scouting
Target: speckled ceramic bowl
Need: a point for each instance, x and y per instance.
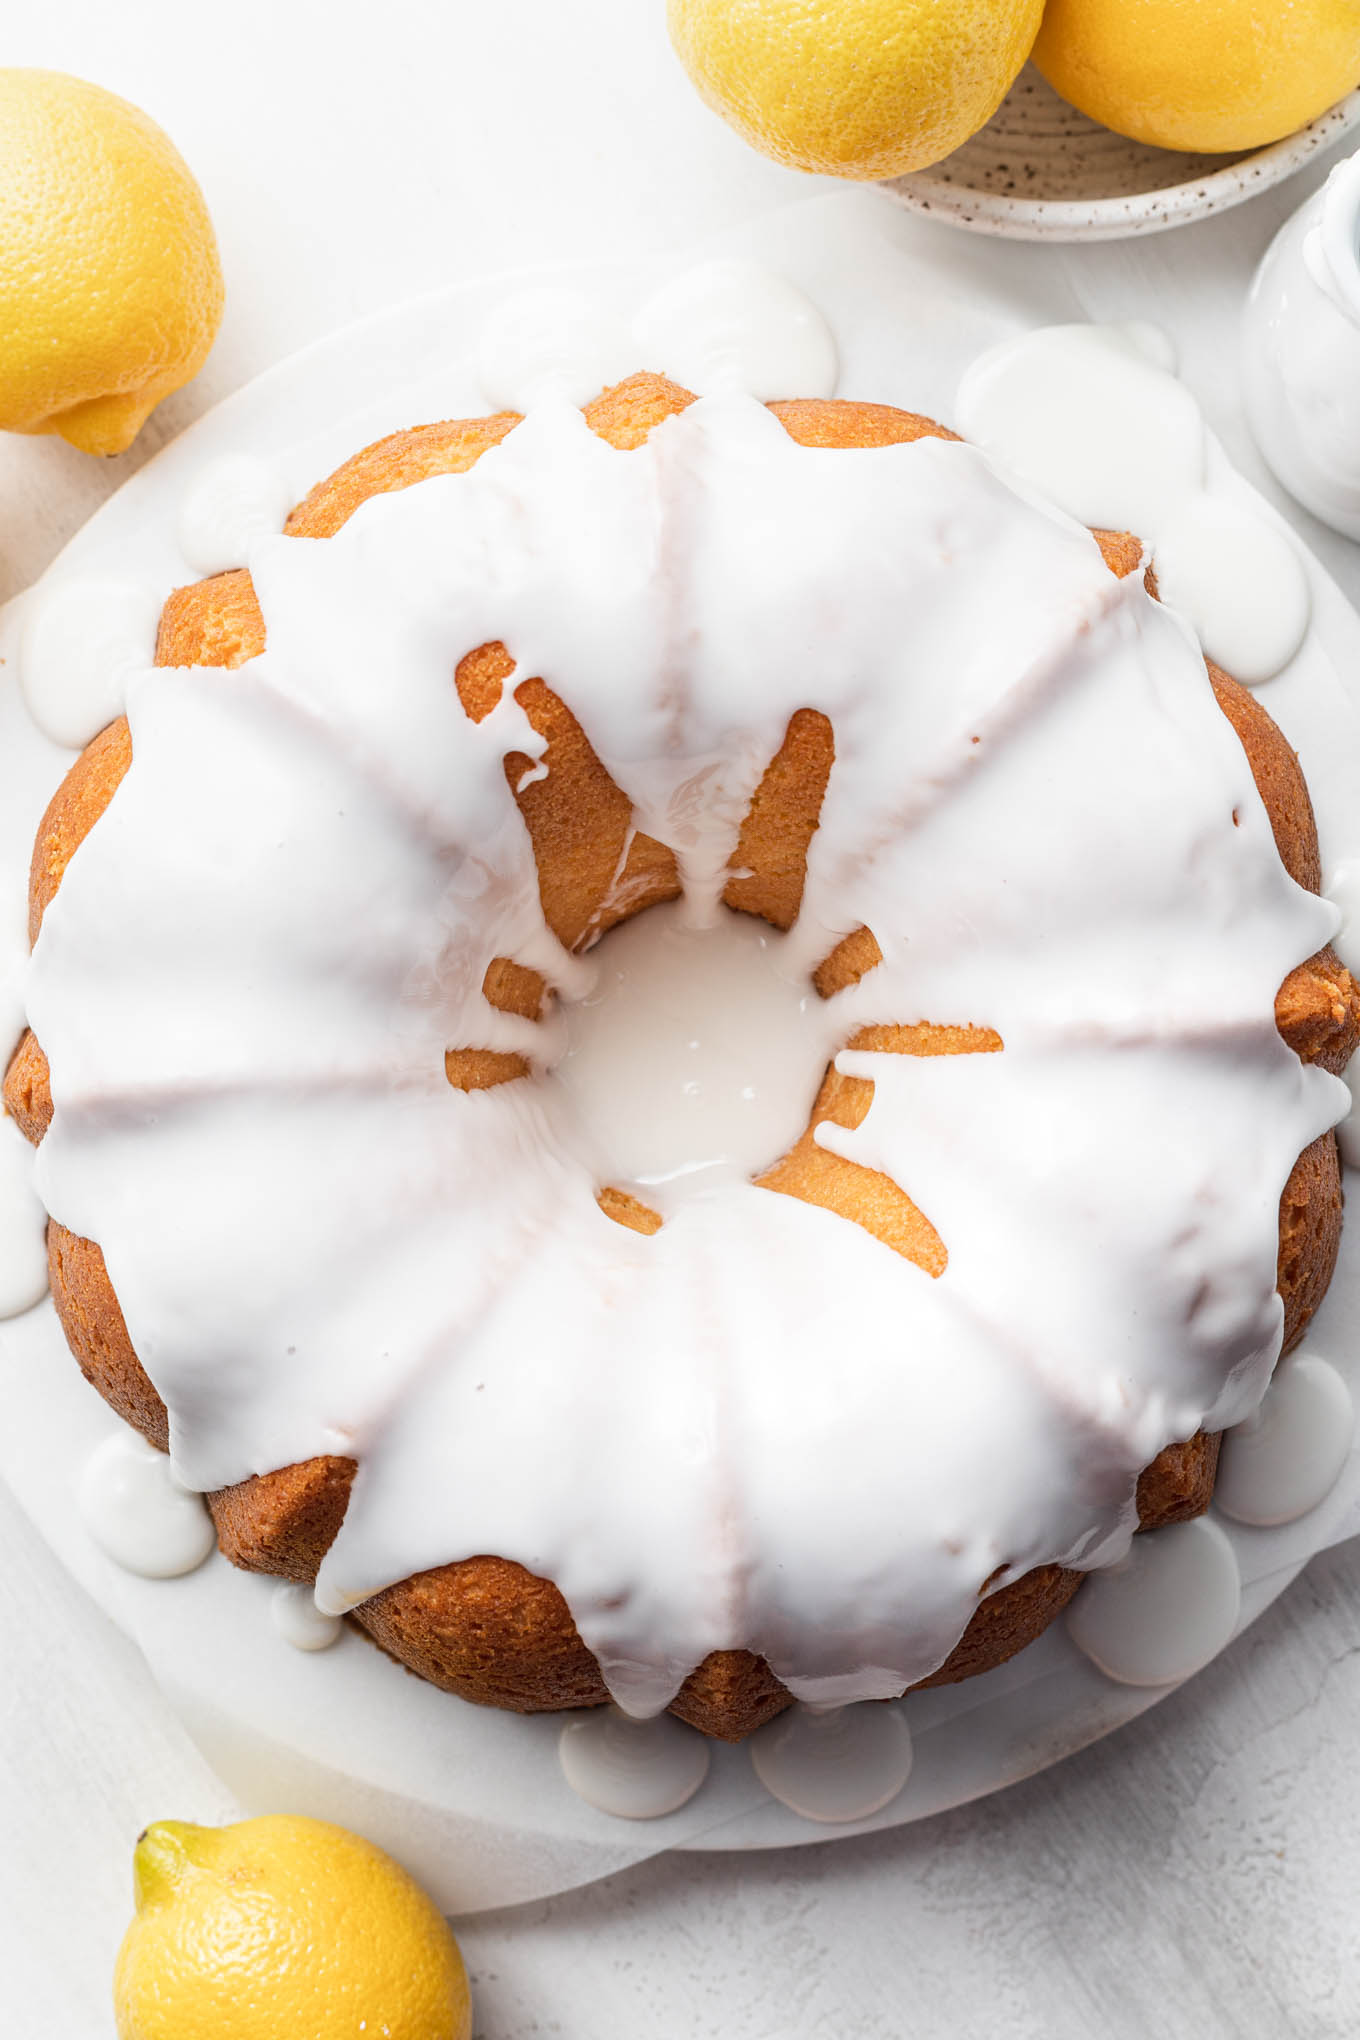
(1041, 171)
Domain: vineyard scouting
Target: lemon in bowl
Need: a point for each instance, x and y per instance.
(1212, 76)
(854, 88)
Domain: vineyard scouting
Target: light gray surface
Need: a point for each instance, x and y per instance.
(1195, 1874)
(1192, 1875)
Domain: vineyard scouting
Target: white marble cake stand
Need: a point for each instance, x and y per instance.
(473, 1800)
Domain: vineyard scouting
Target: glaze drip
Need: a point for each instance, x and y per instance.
(759, 1427)
(1092, 416)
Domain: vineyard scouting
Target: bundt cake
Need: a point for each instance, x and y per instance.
(305, 922)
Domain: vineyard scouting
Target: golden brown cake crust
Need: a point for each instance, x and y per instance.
(450, 448)
(72, 812)
(92, 1320)
(1006, 1621)
(482, 1626)
(28, 1090)
(284, 1522)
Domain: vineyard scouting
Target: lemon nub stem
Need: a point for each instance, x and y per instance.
(164, 1851)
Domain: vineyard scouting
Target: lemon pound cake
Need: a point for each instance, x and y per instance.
(1017, 900)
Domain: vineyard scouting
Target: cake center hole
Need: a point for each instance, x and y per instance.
(696, 1059)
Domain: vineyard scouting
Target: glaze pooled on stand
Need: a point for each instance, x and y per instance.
(1286, 1457)
(82, 641)
(139, 1514)
(1164, 1610)
(1094, 417)
(834, 1764)
(636, 1770)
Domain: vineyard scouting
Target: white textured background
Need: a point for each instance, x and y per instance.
(1197, 1874)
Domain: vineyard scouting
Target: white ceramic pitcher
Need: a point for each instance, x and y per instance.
(1301, 352)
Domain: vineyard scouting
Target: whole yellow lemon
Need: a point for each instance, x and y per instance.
(283, 1929)
(110, 286)
(1201, 74)
(854, 88)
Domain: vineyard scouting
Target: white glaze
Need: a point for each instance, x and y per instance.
(1165, 1610)
(637, 1770)
(23, 1226)
(298, 1620)
(1287, 1456)
(1348, 1131)
(692, 1062)
(547, 342)
(138, 1512)
(731, 325)
(13, 972)
(1238, 583)
(1301, 352)
(760, 1427)
(81, 643)
(834, 1764)
(1343, 890)
(1146, 338)
(233, 500)
(1085, 415)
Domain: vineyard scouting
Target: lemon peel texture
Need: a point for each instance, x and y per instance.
(110, 283)
(1205, 75)
(854, 88)
(282, 1927)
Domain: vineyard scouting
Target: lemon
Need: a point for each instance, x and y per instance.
(1201, 74)
(283, 1929)
(855, 88)
(110, 286)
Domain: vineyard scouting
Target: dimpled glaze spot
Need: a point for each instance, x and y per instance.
(636, 1770)
(1287, 1457)
(834, 1764)
(1165, 1610)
